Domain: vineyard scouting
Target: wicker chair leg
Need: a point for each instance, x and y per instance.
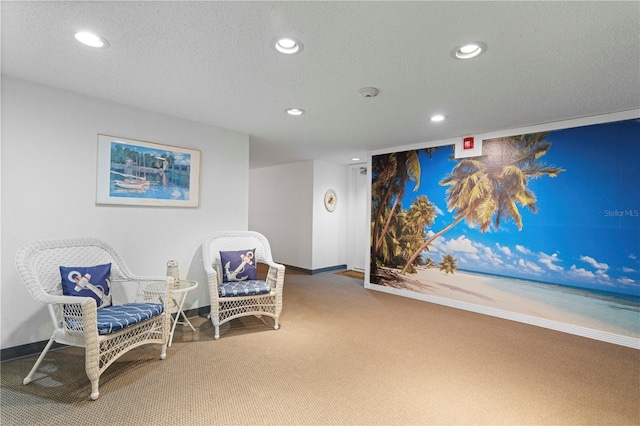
(276, 326)
(216, 336)
(29, 377)
(163, 352)
(92, 366)
(94, 389)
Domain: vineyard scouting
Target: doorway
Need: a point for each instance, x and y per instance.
(358, 218)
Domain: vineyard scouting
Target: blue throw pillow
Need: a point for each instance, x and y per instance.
(87, 281)
(238, 265)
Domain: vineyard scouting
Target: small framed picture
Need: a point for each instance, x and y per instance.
(330, 200)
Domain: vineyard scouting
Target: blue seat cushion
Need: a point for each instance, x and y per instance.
(114, 318)
(243, 288)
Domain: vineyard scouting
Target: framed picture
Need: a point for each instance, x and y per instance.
(330, 200)
(138, 173)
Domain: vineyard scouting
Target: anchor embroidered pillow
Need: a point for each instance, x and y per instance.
(87, 281)
(238, 265)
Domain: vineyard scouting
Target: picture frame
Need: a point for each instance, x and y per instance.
(138, 173)
(330, 200)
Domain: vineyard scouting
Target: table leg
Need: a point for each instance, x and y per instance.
(186, 320)
(178, 312)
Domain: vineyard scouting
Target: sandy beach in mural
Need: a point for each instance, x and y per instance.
(477, 290)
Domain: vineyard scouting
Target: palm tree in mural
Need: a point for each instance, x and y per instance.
(488, 189)
(429, 263)
(391, 174)
(448, 264)
(421, 214)
(391, 247)
(390, 183)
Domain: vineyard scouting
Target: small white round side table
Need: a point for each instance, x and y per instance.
(179, 295)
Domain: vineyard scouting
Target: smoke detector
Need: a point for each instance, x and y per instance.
(368, 92)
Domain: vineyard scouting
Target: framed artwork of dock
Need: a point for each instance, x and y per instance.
(138, 173)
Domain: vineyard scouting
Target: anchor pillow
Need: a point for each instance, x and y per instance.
(238, 265)
(74, 282)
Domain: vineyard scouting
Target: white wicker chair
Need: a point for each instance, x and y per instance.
(75, 319)
(226, 308)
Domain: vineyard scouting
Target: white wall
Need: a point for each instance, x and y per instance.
(281, 209)
(287, 205)
(49, 145)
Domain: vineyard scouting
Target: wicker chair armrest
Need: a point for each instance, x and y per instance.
(278, 266)
(79, 314)
(213, 280)
(49, 299)
(209, 268)
(212, 277)
(275, 275)
(212, 273)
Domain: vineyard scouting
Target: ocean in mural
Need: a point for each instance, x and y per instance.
(545, 224)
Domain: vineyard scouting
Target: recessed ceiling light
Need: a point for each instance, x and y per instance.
(295, 111)
(355, 159)
(437, 117)
(91, 39)
(469, 50)
(287, 45)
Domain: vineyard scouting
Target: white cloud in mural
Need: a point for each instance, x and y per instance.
(473, 256)
(489, 256)
(512, 267)
(505, 250)
(627, 281)
(591, 261)
(463, 247)
(548, 261)
(461, 244)
(581, 273)
(627, 270)
(599, 275)
(602, 276)
(466, 250)
(522, 249)
(529, 265)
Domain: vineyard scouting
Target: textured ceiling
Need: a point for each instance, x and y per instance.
(212, 62)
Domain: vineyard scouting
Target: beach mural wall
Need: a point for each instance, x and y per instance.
(544, 225)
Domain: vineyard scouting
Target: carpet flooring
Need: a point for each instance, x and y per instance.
(344, 355)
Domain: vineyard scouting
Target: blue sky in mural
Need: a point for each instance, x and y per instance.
(587, 230)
